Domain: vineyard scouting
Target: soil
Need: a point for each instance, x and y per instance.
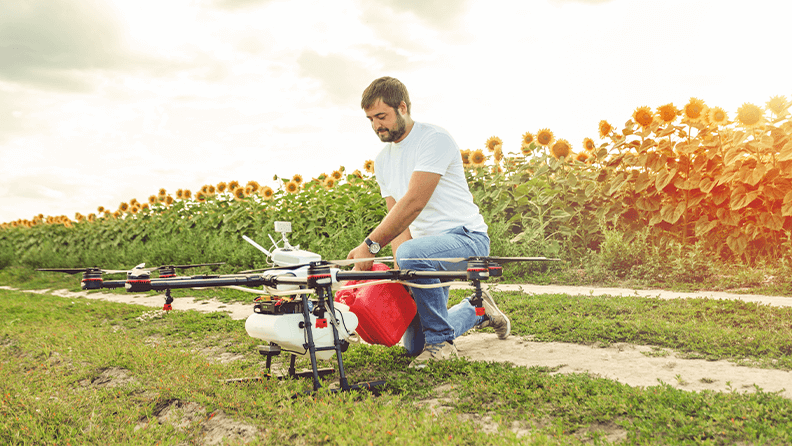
(634, 365)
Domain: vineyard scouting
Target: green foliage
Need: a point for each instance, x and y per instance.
(327, 221)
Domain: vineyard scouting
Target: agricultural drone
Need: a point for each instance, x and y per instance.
(298, 315)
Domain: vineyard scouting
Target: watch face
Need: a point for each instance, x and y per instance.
(374, 248)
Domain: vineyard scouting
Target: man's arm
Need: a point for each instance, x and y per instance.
(400, 215)
(403, 237)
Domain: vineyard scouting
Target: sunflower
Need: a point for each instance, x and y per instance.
(169, 199)
(221, 187)
(465, 157)
(368, 166)
(717, 116)
(643, 116)
(78, 217)
(100, 209)
(561, 148)
(162, 192)
(134, 209)
(605, 128)
(329, 182)
(107, 213)
(200, 196)
(695, 110)
(179, 194)
(356, 173)
(249, 190)
(233, 185)
(527, 138)
(123, 207)
(211, 190)
(152, 200)
(477, 158)
(525, 149)
(91, 218)
(778, 105)
(337, 175)
(204, 189)
(117, 214)
(266, 192)
(498, 155)
(544, 137)
(297, 178)
(187, 195)
(254, 185)
(582, 157)
(239, 192)
(292, 187)
(144, 207)
(588, 144)
(492, 142)
(133, 202)
(668, 113)
(750, 116)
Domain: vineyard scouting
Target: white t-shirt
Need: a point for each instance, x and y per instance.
(429, 148)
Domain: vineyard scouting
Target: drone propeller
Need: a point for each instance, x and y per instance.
(345, 262)
(500, 260)
(82, 270)
(124, 271)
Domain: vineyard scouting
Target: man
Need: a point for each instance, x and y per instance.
(431, 214)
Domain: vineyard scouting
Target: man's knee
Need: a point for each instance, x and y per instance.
(410, 256)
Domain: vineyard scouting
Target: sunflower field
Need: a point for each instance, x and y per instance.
(688, 179)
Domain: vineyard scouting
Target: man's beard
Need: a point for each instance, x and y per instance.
(393, 134)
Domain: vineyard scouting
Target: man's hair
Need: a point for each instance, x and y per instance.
(390, 90)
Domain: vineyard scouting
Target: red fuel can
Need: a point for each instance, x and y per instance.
(384, 311)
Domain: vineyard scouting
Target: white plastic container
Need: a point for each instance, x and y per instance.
(284, 330)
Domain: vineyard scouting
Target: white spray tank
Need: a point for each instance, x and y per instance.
(288, 330)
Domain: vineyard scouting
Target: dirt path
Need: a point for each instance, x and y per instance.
(624, 363)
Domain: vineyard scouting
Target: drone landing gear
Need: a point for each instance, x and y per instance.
(274, 350)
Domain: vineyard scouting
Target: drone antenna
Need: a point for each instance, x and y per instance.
(274, 243)
(256, 245)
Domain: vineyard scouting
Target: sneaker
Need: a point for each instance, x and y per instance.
(434, 352)
(495, 317)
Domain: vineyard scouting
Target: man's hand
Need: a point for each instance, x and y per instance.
(361, 252)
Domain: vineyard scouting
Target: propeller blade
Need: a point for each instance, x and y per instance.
(184, 266)
(345, 262)
(67, 270)
(348, 262)
(490, 259)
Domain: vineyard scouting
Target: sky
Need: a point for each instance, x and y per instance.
(102, 101)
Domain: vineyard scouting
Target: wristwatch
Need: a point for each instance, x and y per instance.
(374, 247)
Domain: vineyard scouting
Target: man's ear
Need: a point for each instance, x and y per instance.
(403, 108)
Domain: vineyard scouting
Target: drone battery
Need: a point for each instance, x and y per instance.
(384, 311)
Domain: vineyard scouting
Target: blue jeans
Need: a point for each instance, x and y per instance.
(435, 322)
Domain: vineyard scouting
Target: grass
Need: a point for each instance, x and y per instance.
(748, 333)
(76, 371)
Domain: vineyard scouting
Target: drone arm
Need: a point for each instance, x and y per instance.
(400, 275)
(113, 283)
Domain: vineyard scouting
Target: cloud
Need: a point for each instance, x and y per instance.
(584, 2)
(343, 78)
(48, 42)
(240, 4)
(440, 14)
